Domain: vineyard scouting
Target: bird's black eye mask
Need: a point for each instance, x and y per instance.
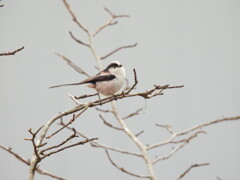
(113, 65)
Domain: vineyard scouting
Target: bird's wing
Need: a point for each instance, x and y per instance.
(92, 80)
(95, 79)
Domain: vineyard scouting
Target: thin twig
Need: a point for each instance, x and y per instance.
(197, 127)
(109, 22)
(15, 154)
(133, 114)
(85, 96)
(167, 127)
(74, 99)
(74, 18)
(60, 144)
(139, 133)
(74, 66)
(77, 40)
(118, 49)
(70, 122)
(124, 170)
(67, 147)
(13, 52)
(104, 110)
(208, 124)
(99, 145)
(190, 168)
(35, 146)
(109, 124)
(114, 15)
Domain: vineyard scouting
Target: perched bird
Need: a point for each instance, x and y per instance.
(107, 82)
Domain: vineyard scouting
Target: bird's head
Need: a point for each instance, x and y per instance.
(116, 69)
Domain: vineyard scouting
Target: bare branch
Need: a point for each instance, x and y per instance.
(35, 146)
(74, 18)
(118, 49)
(171, 139)
(40, 171)
(74, 66)
(15, 154)
(74, 99)
(137, 142)
(107, 100)
(13, 52)
(133, 114)
(190, 168)
(109, 22)
(85, 96)
(109, 124)
(167, 127)
(114, 15)
(153, 92)
(138, 134)
(67, 147)
(186, 141)
(60, 144)
(77, 40)
(110, 99)
(124, 170)
(70, 122)
(35, 158)
(90, 36)
(104, 110)
(100, 145)
(208, 124)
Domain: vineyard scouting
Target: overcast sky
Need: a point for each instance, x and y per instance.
(180, 42)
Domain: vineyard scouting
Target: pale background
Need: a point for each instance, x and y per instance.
(189, 42)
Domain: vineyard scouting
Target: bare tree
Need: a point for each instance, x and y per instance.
(40, 137)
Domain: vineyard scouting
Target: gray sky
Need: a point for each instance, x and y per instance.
(189, 42)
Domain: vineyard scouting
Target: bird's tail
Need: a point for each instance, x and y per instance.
(66, 85)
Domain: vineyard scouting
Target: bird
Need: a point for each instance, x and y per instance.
(107, 82)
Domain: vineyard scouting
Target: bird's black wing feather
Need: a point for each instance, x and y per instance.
(99, 78)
